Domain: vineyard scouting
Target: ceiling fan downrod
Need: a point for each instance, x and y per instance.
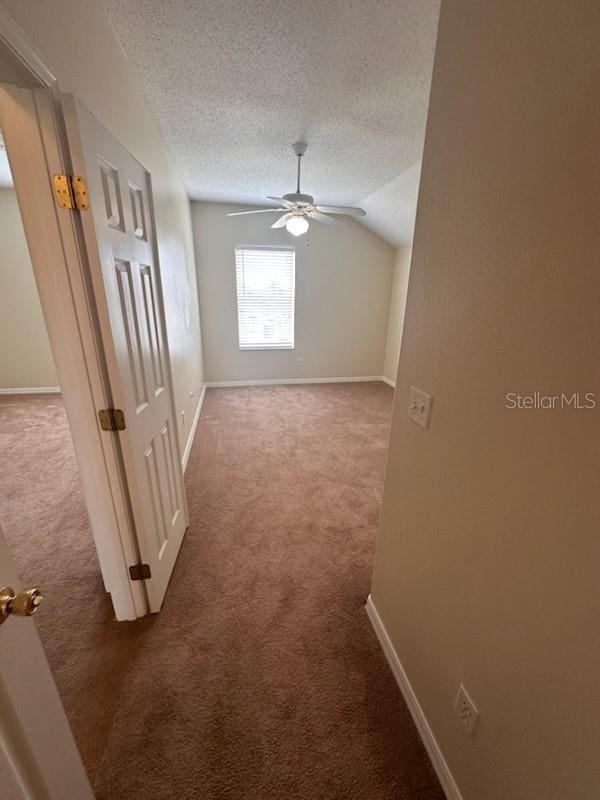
(299, 208)
(299, 149)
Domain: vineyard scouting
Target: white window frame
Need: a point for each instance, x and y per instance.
(245, 347)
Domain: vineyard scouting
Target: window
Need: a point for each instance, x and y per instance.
(265, 280)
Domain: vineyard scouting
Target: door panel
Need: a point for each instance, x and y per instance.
(119, 232)
(153, 328)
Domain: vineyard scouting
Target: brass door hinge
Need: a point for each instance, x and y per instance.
(71, 192)
(140, 572)
(111, 419)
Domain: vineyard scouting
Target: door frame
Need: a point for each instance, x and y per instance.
(34, 131)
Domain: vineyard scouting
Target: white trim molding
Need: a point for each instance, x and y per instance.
(434, 752)
(285, 381)
(192, 433)
(389, 381)
(20, 49)
(32, 390)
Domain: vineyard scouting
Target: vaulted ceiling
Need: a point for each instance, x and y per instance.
(232, 83)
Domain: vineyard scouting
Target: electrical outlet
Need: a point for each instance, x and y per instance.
(466, 710)
(300, 361)
(419, 406)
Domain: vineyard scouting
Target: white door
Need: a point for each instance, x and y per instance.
(120, 239)
(38, 756)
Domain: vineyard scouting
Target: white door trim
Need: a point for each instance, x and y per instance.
(17, 49)
(34, 133)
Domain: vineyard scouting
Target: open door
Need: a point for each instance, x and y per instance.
(38, 756)
(31, 125)
(120, 240)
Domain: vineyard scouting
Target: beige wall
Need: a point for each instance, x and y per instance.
(488, 559)
(77, 42)
(343, 282)
(25, 357)
(396, 312)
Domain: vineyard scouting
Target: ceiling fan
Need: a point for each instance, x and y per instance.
(298, 207)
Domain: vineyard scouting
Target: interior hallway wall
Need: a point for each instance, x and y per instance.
(25, 357)
(487, 564)
(343, 283)
(396, 312)
(78, 43)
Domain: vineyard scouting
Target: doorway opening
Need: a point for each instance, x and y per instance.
(43, 511)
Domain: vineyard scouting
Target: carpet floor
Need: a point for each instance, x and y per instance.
(261, 678)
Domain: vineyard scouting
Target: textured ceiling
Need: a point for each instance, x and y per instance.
(391, 210)
(232, 83)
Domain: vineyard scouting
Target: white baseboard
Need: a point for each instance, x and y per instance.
(32, 390)
(389, 381)
(436, 756)
(284, 381)
(190, 440)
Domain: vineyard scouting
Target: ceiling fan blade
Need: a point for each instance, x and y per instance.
(258, 211)
(322, 217)
(279, 223)
(355, 212)
(285, 202)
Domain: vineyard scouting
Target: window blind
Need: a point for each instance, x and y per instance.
(265, 279)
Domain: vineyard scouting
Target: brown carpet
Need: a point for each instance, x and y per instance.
(261, 678)
(44, 518)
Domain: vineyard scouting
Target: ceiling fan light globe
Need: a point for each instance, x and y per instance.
(297, 226)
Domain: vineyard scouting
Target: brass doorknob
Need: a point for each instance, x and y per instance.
(21, 604)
